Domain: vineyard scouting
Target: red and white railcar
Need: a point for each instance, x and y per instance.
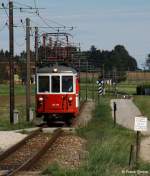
(57, 92)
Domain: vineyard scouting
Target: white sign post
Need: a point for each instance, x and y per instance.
(140, 124)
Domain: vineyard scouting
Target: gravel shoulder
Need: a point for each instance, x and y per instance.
(86, 114)
(9, 138)
(126, 111)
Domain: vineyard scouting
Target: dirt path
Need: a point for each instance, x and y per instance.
(86, 113)
(126, 111)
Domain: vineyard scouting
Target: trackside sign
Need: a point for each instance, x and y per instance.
(140, 123)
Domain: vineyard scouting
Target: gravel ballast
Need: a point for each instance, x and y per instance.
(68, 152)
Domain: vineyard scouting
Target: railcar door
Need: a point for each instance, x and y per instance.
(68, 93)
(55, 102)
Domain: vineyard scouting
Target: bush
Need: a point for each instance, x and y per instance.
(143, 89)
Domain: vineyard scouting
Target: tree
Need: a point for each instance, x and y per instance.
(147, 62)
(118, 58)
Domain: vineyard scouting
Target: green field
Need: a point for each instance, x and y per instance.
(108, 147)
(19, 89)
(126, 88)
(20, 106)
(143, 103)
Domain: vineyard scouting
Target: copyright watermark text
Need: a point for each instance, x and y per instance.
(138, 172)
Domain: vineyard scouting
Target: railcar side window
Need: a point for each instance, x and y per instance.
(43, 84)
(55, 82)
(67, 83)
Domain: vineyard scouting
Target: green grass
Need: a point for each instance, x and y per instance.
(129, 89)
(19, 105)
(143, 103)
(121, 88)
(19, 89)
(108, 147)
(5, 122)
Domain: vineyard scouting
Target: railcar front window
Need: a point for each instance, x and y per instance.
(44, 85)
(67, 84)
(55, 84)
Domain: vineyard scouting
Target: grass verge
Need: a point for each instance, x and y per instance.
(108, 147)
(143, 103)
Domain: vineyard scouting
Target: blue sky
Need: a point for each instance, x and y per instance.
(104, 23)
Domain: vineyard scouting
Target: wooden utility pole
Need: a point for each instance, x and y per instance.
(11, 61)
(87, 80)
(28, 103)
(36, 44)
(36, 54)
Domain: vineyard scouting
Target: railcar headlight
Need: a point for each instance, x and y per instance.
(41, 99)
(70, 99)
(55, 70)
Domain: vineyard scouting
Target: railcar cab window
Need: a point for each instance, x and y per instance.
(43, 84)
(67, 83)
(55, 83)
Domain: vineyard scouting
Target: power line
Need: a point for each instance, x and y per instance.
(4, 8)
(3, 27)
(47, 27)
(25, 5)
(38, 13)
(52, 21)
(45, 22)
(62, 26)
(35, 4)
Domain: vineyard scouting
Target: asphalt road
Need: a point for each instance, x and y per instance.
(126, 113)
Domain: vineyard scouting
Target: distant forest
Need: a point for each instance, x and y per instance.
(118, 58)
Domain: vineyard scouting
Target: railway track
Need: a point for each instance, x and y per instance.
(25, 154)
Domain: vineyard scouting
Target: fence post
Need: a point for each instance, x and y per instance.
(93, 85)
(137, 147)
(115, 109)
(131, 156)
(86, 80)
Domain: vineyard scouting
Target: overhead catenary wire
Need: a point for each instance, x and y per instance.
(26, 8)
(45, 20)
(5, 9)
(18, 44)
(4, 26)
(35, 4)
(21, 4)
(55, 28)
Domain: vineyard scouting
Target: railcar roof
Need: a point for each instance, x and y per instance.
(61, 69)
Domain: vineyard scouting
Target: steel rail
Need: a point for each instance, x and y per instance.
(12, 149)
(30, 163)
